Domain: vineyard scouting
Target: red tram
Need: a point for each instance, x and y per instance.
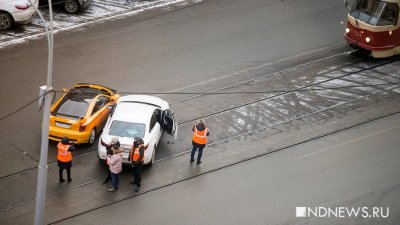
(374, 25)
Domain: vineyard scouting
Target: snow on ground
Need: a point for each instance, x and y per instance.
(98, 11)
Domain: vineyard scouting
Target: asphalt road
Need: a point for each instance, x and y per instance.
(291, 54)
(354, 168)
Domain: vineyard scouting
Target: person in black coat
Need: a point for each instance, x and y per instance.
(64, 158)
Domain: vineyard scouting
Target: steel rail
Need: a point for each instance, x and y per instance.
(223, 167)
(233, 108)
(226, 139)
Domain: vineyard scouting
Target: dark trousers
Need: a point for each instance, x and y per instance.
(114, 180)
(108, 178)
(62, 166)
(194, 152)
(60, 171)
(137, 173)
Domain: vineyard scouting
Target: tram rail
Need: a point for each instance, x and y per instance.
(280, 93)
(302, 88)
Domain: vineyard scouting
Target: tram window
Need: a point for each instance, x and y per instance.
(389, 15)
(364, 10)
(363, 5)
(376, 12)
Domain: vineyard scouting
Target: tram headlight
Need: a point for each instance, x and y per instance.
(347, 30)
(368, 39)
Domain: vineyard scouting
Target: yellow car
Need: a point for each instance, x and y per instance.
(81, 113)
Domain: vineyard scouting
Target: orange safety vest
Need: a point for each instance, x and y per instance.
(136, 154)
(63, 154)
(200, 137)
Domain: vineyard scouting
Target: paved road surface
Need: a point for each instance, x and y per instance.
(253, 45)
(358, 167)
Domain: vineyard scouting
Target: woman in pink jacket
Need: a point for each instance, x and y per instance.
(115, 164)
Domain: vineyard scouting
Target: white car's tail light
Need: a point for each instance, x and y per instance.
(22, 6)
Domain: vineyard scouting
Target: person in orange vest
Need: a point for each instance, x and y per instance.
(64, 158)
(199, 140)
(136, 156)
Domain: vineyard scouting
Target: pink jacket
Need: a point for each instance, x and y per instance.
(115, 163)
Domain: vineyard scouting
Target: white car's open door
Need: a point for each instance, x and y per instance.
(169, 123)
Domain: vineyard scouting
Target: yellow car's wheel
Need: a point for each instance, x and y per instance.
(92, 136)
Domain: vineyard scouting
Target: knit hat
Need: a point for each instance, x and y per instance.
(65, 140)
(201, 121)
(114, 140)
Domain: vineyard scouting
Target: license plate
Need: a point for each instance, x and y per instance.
(63, 125)
(125, 158)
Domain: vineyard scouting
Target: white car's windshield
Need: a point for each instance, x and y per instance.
(127, 129)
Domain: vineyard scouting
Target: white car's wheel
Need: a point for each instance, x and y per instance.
(6, 21)
(92, 137)
(72, 6)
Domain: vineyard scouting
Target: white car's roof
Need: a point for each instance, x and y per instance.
(133, 109)
(147, 99)
(133, 112)
(137, 108)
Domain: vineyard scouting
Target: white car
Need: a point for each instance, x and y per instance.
(16, 12)
(138, 115)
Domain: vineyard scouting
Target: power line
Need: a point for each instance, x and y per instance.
(24, 106)
(260, 92)
(213, 93)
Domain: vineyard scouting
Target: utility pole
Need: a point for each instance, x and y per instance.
(46, 96)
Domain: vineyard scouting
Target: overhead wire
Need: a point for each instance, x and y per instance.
(261, 92)
(26, 105)
(207, 93)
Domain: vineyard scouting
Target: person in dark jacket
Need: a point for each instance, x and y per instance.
(64, 158)
(199, 140)
(136, 156)
(114, 141)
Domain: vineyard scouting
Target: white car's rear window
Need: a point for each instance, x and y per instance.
(127, 129)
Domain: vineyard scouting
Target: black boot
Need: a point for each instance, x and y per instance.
(60, 173)
(69, 174)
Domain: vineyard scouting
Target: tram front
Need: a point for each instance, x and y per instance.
(374, 26)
